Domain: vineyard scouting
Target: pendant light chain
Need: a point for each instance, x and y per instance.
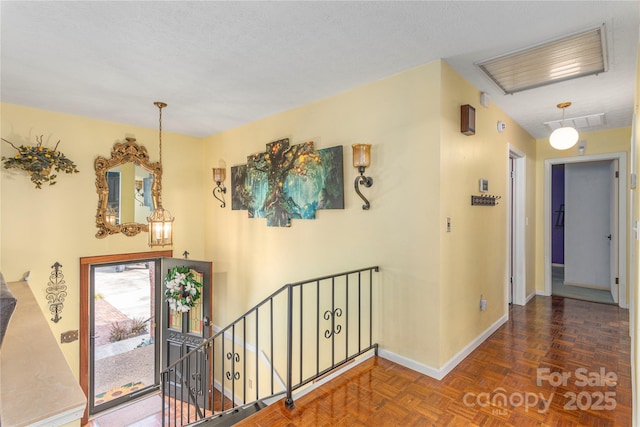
(160, 220)
(160, 106)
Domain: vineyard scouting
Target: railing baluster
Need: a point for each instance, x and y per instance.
(257, 358)
(333, 321)
(289, 399)
(271, 345)
(244, 360)
(359, 313)
(222, 395)
(185, 392)
(371, 308)
(301, 329)
(346, 319)
(317, 327)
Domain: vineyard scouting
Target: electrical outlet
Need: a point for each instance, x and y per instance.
(483, 304)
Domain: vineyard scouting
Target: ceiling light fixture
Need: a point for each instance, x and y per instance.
(564, 137)
(570, 57)
(160, 220)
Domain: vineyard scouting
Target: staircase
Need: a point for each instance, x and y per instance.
(298, 334)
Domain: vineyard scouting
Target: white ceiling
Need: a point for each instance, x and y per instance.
(224, 64)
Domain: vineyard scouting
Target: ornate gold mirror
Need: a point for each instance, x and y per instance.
(128, 187)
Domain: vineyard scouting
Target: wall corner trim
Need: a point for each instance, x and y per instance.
(452, 363)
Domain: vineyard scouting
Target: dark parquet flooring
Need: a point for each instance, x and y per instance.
(556, 362)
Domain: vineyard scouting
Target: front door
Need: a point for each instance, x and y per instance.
(183, 332)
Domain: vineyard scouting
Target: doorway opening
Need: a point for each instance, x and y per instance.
(124, 349)
(516, 274)
(105, 379)
(575, 266)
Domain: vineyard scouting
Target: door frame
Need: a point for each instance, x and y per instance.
(622, 218)
(85, 303)
(519, 296)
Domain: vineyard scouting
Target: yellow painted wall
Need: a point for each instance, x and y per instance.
(600, 142)
(57, 223)
(399, 116)
(423, 171)
(474, 254)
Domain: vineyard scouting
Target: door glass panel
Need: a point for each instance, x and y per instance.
(195, 314)
(175, 320)
(123, 349)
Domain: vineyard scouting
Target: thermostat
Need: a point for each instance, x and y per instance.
(484, 185)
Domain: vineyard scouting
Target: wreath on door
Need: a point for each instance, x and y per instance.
(182, 290)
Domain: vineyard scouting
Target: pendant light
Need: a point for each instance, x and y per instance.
(160, 220)
(564, 137)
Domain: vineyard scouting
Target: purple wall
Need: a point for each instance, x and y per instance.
(557, 214)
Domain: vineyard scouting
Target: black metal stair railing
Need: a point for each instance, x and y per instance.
(298, 334)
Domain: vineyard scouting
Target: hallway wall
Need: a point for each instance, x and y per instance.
(424, 170)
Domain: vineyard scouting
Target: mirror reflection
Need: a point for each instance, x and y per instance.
(129, 193)
(128, 186)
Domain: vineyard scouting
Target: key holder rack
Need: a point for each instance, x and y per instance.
(485, 200)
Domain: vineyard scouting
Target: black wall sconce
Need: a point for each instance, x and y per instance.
(361, 160)
(219, 175)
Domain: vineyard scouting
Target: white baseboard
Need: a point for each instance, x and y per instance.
(529, 297)
(452, 363)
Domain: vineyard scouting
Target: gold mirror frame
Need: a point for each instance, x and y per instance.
(123, 153)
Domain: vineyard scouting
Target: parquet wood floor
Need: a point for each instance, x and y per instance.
(586, 342)
(556, 362)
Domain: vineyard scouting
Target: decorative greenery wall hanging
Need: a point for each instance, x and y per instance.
(38, 161)
(182, 290)
(287, 182)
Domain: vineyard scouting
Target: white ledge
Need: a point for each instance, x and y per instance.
(37, 386)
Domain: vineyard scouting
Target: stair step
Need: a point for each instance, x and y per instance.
(231, 418)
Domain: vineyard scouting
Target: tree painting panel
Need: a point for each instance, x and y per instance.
(287, 182)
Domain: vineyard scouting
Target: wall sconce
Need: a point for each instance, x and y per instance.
(361, 160)
(110, 217)
(219, 175)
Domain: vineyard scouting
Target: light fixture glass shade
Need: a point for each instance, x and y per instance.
(160, 228)
(219, 174)
(563, 138)
(361, 155)
(110, 217)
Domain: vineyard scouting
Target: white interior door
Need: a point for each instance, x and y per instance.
(588, 233)
(613, 217)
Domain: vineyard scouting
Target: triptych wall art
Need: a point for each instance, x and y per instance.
(288, 181)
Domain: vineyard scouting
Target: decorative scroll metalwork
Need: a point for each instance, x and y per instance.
(335, 329)
(56, 291)
(236, 358)
(123, 153)
(192, 341)
(243, 362)
(367, 181)
(197, 388)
